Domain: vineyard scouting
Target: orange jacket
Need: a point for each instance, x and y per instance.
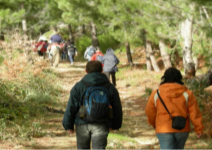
(180, 101)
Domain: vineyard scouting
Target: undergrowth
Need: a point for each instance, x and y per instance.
(25, 92)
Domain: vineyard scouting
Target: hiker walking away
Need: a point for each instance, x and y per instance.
(110, 62)
(55, 49)
(91, 112)
(98, 56)
(170, 100)
(71, 49)
(63, 52)
(89, 52)
(41, 46)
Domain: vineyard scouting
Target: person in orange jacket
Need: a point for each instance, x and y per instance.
(180, 101)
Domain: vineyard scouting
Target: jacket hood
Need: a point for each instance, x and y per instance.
(172, 90)
(110, 51)
(95, 78)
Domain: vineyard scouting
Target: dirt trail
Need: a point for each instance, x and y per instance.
(135, 132)
(135, 129)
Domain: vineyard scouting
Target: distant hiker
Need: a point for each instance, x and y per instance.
(89, 52)
(56, 38)
(110, 62)
(179, 101)
(98, 56)
(55, 49)
(63, 52)
(93, 115)
(71, 49)
(41, 46)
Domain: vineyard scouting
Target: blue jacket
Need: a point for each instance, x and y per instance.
(71, 115)
(110, 61)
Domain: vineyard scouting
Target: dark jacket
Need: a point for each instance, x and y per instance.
(70, 52)
(110, 61)
(76, 96)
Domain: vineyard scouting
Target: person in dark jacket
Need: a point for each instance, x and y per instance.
(96, 133)
(71, 49)
(110, 62)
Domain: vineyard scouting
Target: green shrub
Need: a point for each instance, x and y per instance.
(22, 102)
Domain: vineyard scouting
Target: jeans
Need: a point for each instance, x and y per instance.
(71, 57)
(63, 56)
(172, 140)
(112, 75)
(92, 133)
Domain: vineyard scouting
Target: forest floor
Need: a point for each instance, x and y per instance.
(134, 134)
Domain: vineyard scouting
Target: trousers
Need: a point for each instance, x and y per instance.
(172, 140)
(92, 134)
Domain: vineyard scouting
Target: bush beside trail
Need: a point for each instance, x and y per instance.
(26, 91)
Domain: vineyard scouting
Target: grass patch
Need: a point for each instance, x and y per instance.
(119, 137)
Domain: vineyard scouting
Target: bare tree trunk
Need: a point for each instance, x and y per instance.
(129, 56)
(186, 32)
(71, 36)
(1, 35)
(165, 56)
(95, 41)
(152, 57)
(83, 29)
(24, 24)
(148, 62)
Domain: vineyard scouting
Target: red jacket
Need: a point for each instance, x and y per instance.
(43, 44)
(94, 57)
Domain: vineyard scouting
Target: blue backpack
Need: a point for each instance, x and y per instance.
(96, 104)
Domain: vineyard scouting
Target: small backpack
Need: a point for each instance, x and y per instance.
(95, 106)
(70, 48)
(91, 51)
(99, 58)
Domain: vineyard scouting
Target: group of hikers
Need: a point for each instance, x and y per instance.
(56, 48)
(94, 106)
(108, 60)
(94, 109)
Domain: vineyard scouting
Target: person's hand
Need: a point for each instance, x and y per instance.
(70, 131)
(199, 135)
